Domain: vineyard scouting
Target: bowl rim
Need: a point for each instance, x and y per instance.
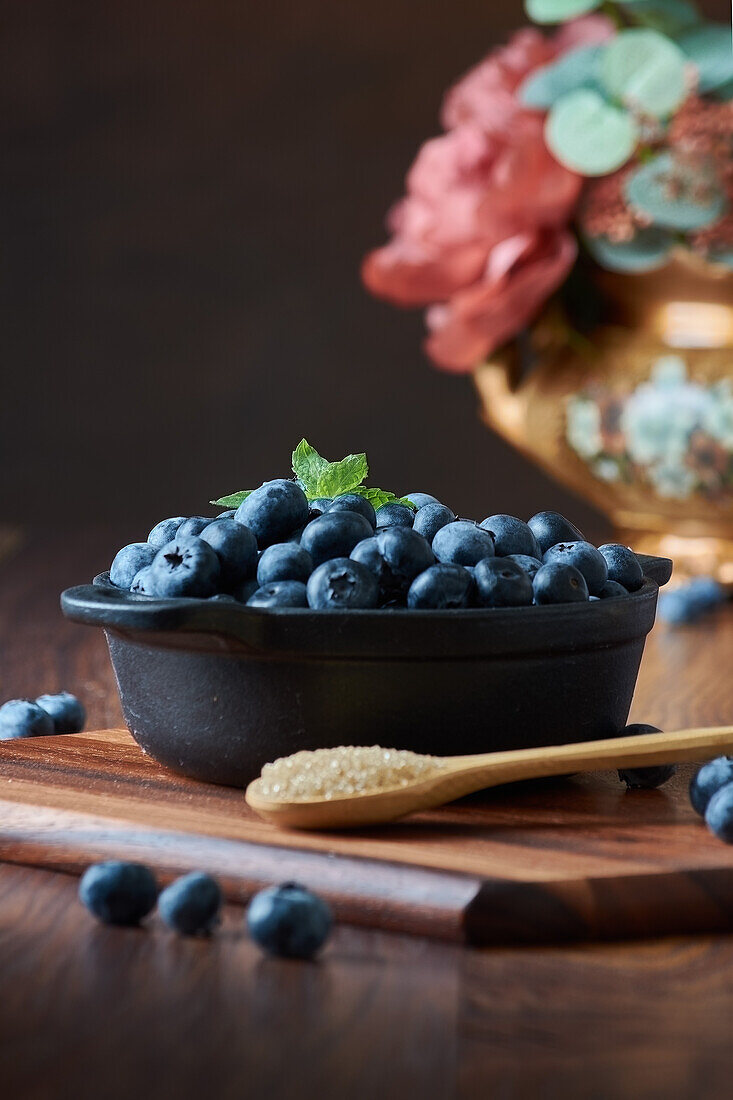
(376, 634)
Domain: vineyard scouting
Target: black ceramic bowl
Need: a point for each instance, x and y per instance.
(214, 689)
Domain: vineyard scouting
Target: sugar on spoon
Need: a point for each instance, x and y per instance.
(352, 786)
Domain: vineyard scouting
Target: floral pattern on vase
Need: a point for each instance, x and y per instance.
(669, 433)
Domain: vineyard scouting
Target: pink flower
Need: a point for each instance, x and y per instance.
(486, 94)
(522, 271)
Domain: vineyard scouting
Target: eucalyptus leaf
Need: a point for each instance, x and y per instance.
(576, 69)
(666, 16)
(709, 48)
(588, 135)
(645, 71)
(557, 11)
(675, 195)
(233, 500)
(648, 250)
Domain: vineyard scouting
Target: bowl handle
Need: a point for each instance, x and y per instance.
(657, 569)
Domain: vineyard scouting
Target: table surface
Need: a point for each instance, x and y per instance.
(90, 1011)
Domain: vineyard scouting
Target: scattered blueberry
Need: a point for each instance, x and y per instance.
(117, 892)
(279, 594)
(586, 559)
(549, 528)
(441, 587)
(341, 583)
(273, 511)
(192, 904)
(462, 543)
(430, 518)
(623, 565)
(719, 813)
(334, 535)
(22, 718)
(289, 920)
(194, 525)
(528, 564)
(421, 500)
(352, 502)
(236, 548)
(511, 536)
(165, 531)
(500, 582)
(611, 590)
(66, 711)
(395, 515)
(395, 555)
(186, 567)
(650, 777)
(129, 561)
(558, 583)
(691, 601)
(710, 778)
(284, 561)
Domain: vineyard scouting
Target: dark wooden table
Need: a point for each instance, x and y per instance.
(94, 1012)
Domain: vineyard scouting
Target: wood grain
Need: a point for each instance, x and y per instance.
(580, 858)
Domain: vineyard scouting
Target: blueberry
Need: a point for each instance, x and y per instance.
(22, 718)
(235, 547)
(165, 531)
(611, 590)
(586, 559)
(334, 535)
(185, 567)
(225, 597)
(462, 543)
(623, 565)
(192, 904)
(284, 561)
(142, 582)
(430, 518)
(341, 583)
(318, 506)
(558, 583)
(502, 583)
(279, 594)
(441, 587)
(273, 511)
(289, 920)
(129, 561)
(690, 601)
(395, 555)
(395, 515)
(421, 500)
(650, 777)
(549, 528)
(194, 525)
(511, 536)
(244, 590)
(710, 778)
(117, 892)
(229, 514)
(67, 712)
(352, 502)
(528, 564)
(719, 813)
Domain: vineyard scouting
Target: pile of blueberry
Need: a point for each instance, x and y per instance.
(711, 795)
(61, 713)
(280, 549)
(286, 920)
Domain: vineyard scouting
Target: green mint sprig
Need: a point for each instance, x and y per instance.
(320, 478)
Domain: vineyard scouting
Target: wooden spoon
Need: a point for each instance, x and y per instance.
(452, 777)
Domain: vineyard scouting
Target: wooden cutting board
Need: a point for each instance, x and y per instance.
(571, 859)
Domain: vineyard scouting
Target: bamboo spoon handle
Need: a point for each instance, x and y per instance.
(473, 773)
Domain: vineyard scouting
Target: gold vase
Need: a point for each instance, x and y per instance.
(637, 418)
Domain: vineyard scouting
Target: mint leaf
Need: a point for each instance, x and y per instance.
(378, 497)
(308, 467)
(342, 477)
(233, 500)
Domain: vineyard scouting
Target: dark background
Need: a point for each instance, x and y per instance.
(186, 192)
